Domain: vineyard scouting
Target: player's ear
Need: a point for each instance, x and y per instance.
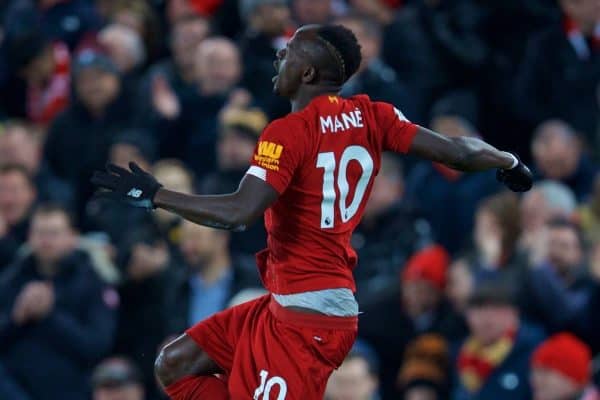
(309, 75)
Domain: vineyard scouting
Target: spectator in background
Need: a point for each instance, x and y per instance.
(419, 308)
(117, 378)
(558, 155)
(424, 371)
(56, 317)
(126, 50)
(559, 287)
(546, 200)
(496, 256)
(67, 21)
(432, 184)
(210, 278)
(356, 378)
(268, 27)
(561, 370)
(141, 17)
(312, 11)
(374, 77)
(460, 285)
(588, 214)
(239, 129)
(20, 144)
(389, 233)
(176, 73)
(17, 198)
(493, 362)
(188, 129)
(37, 85)
(89, 125)
(568, 55)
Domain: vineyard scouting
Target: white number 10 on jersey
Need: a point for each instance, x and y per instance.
(327, 162)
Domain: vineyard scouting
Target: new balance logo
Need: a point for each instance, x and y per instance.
(135, 193)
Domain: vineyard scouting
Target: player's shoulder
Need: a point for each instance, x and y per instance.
(289, 121)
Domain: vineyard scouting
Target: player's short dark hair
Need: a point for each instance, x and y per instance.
(343, 45)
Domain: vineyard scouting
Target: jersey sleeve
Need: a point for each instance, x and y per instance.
(397, 131)
(279, 152)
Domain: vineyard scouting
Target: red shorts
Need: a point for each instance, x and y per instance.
(269, 352)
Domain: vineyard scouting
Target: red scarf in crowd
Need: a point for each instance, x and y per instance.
(476, 362)
(578, 41)
(44, 103)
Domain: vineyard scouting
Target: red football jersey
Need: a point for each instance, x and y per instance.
(322, 160)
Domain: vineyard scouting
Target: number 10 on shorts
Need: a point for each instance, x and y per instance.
(266, 385)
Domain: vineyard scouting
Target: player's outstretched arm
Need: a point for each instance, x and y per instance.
(472, 154)
(234, 211)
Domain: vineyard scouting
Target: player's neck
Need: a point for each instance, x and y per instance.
(307, 93)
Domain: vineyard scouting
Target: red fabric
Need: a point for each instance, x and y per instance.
(393, 3)
(261, 344)
(205, 7)
(198, 387)
(44, 103)
(430, 265)
(566, 354)
(309, 238)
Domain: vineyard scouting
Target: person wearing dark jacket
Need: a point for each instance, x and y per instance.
(493, 361)
(17, 198)
(89, 125)
(210, 278)
(374, 76)
(568, 55)
(57, 319)
(559, 155)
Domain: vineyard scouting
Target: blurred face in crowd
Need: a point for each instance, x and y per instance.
(564, 249)
(550, 385)
(586, 13)
(234, 150)
(176, 178)
(124, 46)
(16, 196)
(488, 323)
(96, 89)
(200, 244)
(370, 42)
(51, 237)
(127, 392)
(460, 285)
(218, 67)
(352, 381)
(387, 188)
(187, 35)
(488, 234)
(271, 19)
(452, 126)
(419, 297)
(420, 393)
(556, 151)
(124, 153)
(535, 211)
(312, 11)
(19, 146)
(41, 68)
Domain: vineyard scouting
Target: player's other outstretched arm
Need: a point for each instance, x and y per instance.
(471, 154)
(234, 211)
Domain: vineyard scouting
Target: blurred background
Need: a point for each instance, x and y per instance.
(468, 292)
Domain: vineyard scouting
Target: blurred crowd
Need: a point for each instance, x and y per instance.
(467, 292)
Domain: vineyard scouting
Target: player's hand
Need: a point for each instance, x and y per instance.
(135, 187)
(517, 179)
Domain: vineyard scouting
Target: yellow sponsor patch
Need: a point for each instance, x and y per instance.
(268, 155)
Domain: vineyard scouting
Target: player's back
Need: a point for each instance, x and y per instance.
(323, 161)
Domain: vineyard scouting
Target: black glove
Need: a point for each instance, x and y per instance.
(135, 187)
(517, 179)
